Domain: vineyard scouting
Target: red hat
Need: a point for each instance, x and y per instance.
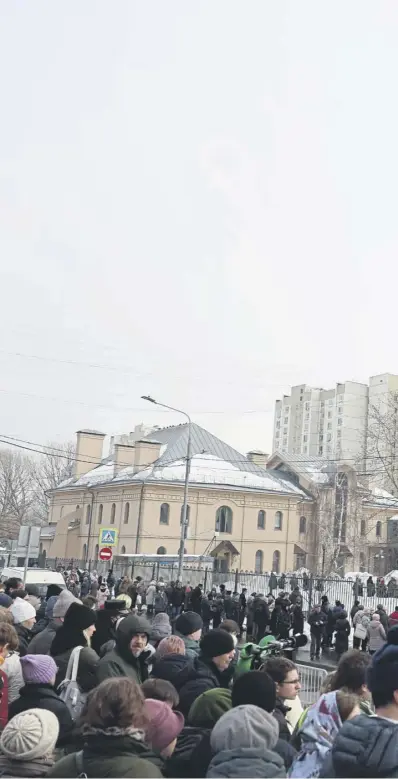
(164, 724)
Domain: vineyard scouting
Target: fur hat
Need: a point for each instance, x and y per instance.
(64, 600)
(216, 643)
(189, 622)
(161, 627)
(21, 611)
(247, 727)
(164, 724)
(30, 735)
(79, 616)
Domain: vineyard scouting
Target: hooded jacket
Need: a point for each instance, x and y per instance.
(41, 642)
(120, 661)
(364, 747)
(249, 762)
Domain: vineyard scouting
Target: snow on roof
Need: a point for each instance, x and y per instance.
(382, 498)
(316, 469)
(102, 473)
(207, 469)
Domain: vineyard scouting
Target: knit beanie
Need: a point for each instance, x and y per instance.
(5, 600)
(209, 707)
(189, 622)
(64, 600)
(245, 727)
(172, 645)
(38, 669)
(21, 610)
(256, 688)
(164, 724)
(79, 617)
(30, 735)
(161, 627)
(32, 589)
(216, 643)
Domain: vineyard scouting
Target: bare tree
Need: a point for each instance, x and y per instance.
(48, 471)
(17, 494)
(381, 445)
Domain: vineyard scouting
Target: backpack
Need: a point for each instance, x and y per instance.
(69, 690)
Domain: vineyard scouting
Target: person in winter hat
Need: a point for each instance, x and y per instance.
(242, 742)
(39, 673)
(161, 628)
(113, 729)
(189, 627)
(76, 630)
(376, 634)
(24, 616)
(164, 725)
(105, 628)
(217, 651)
(27, 744)
(258, 689)
(56, 608)
(130, 655)
(5, 600)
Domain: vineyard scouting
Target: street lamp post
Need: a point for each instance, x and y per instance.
(184, 522)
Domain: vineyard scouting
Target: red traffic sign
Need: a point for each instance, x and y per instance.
(105, 553)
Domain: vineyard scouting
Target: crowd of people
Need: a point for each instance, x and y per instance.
(145, 683)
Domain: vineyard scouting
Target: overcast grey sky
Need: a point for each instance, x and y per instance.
(199, 194)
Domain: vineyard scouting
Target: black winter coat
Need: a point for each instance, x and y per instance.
(279, 713)
(191, 756)
(343, 630)
(24, 638)
(86, 672)
(190, 677)
(43, 696)
(364, 747)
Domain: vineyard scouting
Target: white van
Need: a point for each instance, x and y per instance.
(39, 576)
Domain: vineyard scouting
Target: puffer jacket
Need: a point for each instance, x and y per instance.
(376, 635)
(119, 661)
(364, 747)
(246, 762)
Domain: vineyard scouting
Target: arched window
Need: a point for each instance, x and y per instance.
(88, 514)
(278, 520)
(258, 562)
(161, 550)
(276, 561)
(77, 508)
(303, 525)
(363, 527)
(378, 529)
(96, 552)
(224, 519)
(123, 550)
(126, 513)
(188, 513)
(164, 514)
(261, 520)
(100, 512)
(113, 512)
(41, 549)
(84, 551)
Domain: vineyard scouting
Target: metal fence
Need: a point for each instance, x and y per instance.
(311, 679)
(192, 574)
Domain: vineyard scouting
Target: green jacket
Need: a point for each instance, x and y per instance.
(109, 756)
(119, 661)
(192, 648)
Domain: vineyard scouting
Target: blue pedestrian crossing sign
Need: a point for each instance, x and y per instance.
(108, 536)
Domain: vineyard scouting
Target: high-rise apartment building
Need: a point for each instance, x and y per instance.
(326, 423)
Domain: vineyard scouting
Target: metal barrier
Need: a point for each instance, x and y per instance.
(311, 679)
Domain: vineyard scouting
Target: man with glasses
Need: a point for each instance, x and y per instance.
(287, 683)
